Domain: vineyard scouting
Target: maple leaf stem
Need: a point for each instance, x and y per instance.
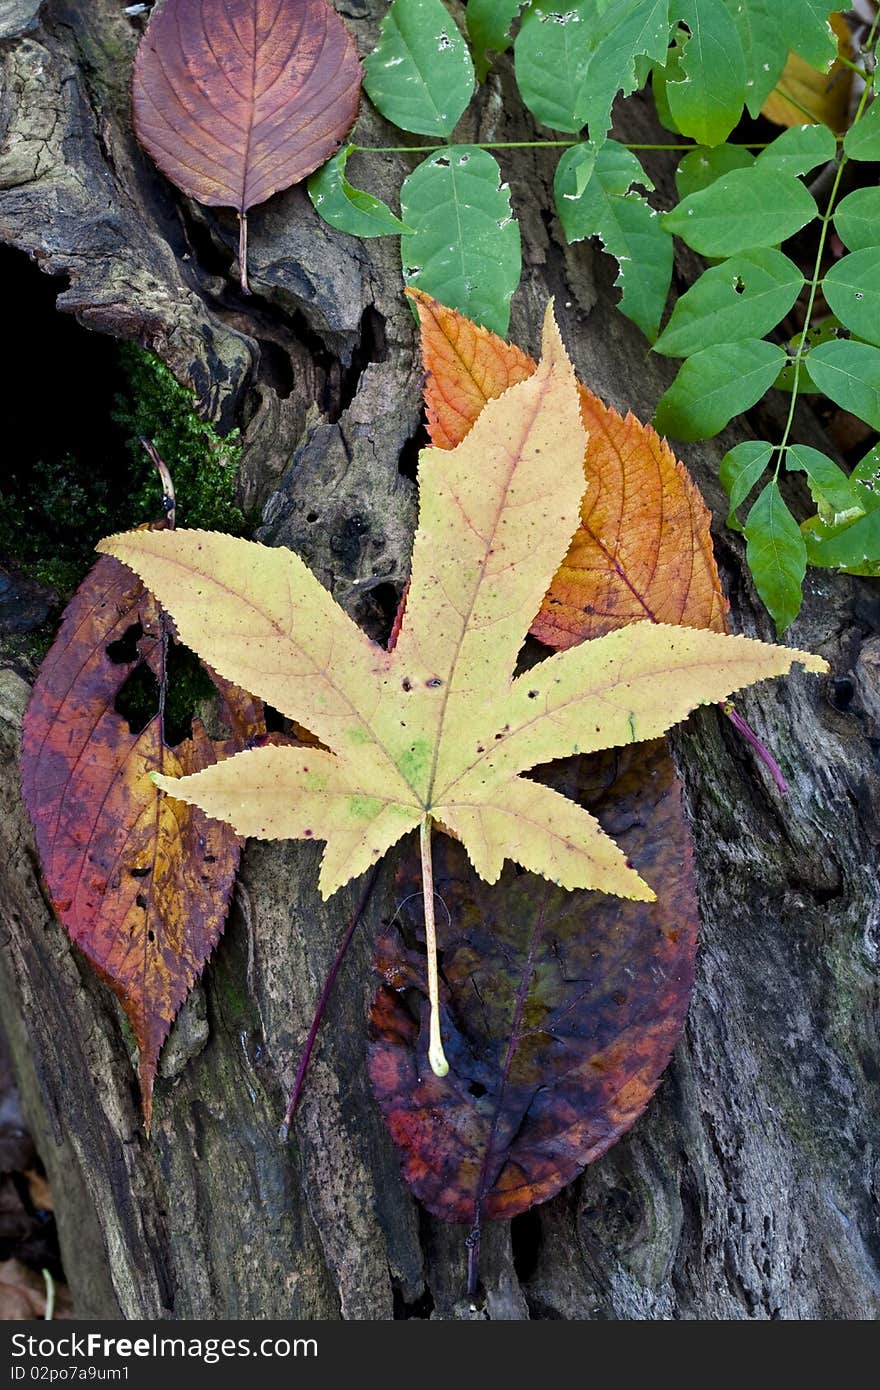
(243, 252)
(321, 1006)
(436, 1055)
(763, 752)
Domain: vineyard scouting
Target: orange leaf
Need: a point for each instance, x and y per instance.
(141, 882)
(643, 549)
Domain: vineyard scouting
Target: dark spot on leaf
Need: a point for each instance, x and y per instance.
(124, 650)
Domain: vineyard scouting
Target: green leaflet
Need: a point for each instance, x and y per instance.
(628, 227)
(825, 332)
(740, 469)
(768, 29)
(465, 245)
(489, 23)
(573, 59)
(741, 210)
(420, 75)
(862, 140)
(706, 163)
(347, 208)
(708, 101)
(776, 555)
(714, 385)
(851, 544)
(799, 149)
(743, 297)
(857, 219)
(830, 487)
(852, 291)
(849, 374)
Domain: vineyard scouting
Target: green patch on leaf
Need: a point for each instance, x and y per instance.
(852, 291)
(707, 101)
(629, 228)
(706, 163)
(849, 374)
(740, 470)
(714, 385)
(862, 140)
(347, 208)
(799, 150)
(744, 297)
(464, 248)
(573, 59)
(857, 219)
(420, 75)
(776, 555)
(741, 210)
(489, 24)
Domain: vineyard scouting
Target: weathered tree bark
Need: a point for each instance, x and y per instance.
(749, 1188)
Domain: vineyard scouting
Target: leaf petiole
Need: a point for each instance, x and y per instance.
(436, 1055)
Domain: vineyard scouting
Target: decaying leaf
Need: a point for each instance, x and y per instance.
(238, 99)
(642, 550)
(560, 1010)
(141, 883)
(439, 730)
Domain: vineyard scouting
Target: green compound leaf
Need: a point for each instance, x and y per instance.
(862, 140)
(420, 75)
(851, 545)
(852, 291)
(573, 59)
(768, 29)
(714, 385)
(706, 163)
(849, 375)
(741, 210)
(708, 101)
(628, 227)
(347, 208)
(489, 23)
(799, 149)
(830, 487)
(857, 219)
(741, 468)
(465, 245)
(777, 556)
(743, 297)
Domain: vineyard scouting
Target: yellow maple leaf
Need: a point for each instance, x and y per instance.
(439, 730)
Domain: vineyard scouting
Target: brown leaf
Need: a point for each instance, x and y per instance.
(643, 549)
(237, 99)
(561, 1010)
(141, 883)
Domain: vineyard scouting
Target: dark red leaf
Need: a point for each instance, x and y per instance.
(237, 99)
(141, 882)
(561, 1009)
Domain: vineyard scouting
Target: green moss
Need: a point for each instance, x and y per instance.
(57, 502)
(203, 464)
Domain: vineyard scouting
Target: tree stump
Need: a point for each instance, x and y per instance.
(748, 1190)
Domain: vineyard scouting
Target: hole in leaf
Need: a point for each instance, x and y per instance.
(738, 285)
(477, 1089)
(124, 650)
(138, 700)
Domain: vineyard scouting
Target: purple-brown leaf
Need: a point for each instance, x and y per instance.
(142, 883)
(561, 1009)
(237, 99)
